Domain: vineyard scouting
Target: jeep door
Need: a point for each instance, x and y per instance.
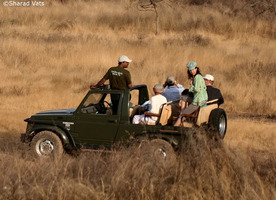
(96, 123)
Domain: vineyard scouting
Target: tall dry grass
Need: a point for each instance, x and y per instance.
(205, 169)
(50, 55)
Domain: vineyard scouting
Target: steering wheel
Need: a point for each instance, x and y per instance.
(102, 107)
(108, 104)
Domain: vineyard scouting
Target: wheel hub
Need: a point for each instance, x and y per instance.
(45, 147)
(162, 153)
(222, 125)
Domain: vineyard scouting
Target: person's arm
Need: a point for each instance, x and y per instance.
(101, 82)
(165, 84)
(128, 80)
(179, 87)
(197, 84)
(192, 87)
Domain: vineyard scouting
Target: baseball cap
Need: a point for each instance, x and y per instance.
(124, 58)
(209, 77)
(191, 65)
(170, 80)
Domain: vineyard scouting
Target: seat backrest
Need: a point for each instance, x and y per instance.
(204, 113)
(165, 114)
(169, 110)
(156, 116)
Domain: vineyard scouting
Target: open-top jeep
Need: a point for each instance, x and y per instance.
(94, 125)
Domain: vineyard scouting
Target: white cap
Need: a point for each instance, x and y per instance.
(209, 77)
(124, 58)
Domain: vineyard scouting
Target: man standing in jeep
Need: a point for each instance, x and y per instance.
(119, 79)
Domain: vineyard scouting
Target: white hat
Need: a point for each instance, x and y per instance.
(209, 77)
(124, 58)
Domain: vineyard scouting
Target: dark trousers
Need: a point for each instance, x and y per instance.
(115, 98)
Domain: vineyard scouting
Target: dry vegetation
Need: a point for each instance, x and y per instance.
(50, 55)
(206, 169)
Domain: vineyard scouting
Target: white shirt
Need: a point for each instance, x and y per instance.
(156, 103)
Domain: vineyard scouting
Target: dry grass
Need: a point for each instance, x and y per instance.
(50, 55)
(49, 58)
(206, 169)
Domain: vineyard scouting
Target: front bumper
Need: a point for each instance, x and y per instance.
(24, 138)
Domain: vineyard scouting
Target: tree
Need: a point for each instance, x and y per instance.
(151, 5)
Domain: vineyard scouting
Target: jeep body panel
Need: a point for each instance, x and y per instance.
(92, 125)
(56, 121)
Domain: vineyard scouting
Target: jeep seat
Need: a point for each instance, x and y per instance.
(201, 115)
(204, 113)
(167, 111)
(161, 110)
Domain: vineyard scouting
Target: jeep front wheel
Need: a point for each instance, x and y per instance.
(46, 144)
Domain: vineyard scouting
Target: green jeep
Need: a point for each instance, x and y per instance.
(93, 125)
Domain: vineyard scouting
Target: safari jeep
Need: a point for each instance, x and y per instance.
(94, 125)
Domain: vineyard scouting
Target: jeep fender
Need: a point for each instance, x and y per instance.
(61, 133)
(170, 140)
(151, 136)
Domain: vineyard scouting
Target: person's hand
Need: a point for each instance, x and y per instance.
(139, 110)
(165, 84)
(93, 86)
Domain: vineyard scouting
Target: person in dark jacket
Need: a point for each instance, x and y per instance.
(213, 93)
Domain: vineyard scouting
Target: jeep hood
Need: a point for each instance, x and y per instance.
(57, 112)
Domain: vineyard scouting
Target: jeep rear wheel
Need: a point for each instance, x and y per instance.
(162, 153)
(218, 122)
(46, 144)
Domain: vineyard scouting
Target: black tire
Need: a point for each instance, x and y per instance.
(46, 144)
(218, 122)
(162, 153)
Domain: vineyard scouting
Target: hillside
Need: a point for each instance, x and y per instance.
(58, 51)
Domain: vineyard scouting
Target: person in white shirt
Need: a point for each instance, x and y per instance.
(154, 104)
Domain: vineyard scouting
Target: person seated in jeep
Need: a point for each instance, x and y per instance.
(198, 88)
(213, 93)
(172, 89)
(155, 105)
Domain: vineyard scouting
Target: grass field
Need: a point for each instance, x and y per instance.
(50, 55)
(243, 166)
